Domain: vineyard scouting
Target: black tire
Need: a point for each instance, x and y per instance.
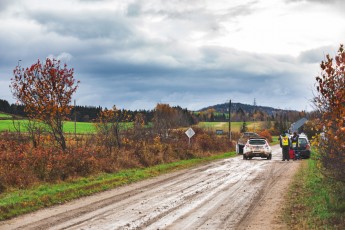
(269, 157)
(244, 157)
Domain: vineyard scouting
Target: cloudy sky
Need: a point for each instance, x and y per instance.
(193, 53)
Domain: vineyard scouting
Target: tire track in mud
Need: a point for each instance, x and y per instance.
(62, 217)
(219, 195)
(189, 188)
(277, 172)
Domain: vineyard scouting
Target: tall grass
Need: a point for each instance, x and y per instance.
(315, 202)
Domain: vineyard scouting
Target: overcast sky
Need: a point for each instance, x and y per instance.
(192, 53)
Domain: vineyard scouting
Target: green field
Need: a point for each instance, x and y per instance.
(81, 127)
(235, 126)
(88, 127)
(3, 115)
(7, 125)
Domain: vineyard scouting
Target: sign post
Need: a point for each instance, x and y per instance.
(190, 132)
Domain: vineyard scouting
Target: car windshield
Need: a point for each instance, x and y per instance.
(257, 142)
(302, 142)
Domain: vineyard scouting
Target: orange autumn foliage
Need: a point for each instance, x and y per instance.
(330, 102)
(46, 89)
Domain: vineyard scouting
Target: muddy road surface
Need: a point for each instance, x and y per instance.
(226, 194)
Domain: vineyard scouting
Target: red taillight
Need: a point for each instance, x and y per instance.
(307, 147)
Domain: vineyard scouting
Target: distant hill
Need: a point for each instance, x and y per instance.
(223, 108)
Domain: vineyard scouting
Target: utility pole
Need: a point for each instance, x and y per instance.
(254, 112)
(75, 121)
(230, 120)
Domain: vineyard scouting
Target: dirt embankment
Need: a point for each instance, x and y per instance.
(227, 194)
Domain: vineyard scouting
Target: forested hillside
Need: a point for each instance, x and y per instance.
(223, 108)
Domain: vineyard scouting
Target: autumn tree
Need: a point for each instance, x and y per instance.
(242, 115)
(164, 119)
(46, 89)
(109, 125)
(330, 102)
(244, 127)
(210, 114)
(139, 126)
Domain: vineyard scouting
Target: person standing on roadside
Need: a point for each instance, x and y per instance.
(285, 145)
(294, 145)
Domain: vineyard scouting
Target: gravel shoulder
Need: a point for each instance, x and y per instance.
(226, 194)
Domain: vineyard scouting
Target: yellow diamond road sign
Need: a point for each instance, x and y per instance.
(190, 132)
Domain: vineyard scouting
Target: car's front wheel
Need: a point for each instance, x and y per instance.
(244, 157)
(269, 157)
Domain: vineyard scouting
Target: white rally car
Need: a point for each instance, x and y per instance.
(257, 147)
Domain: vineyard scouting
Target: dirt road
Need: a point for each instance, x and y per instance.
(227, 194)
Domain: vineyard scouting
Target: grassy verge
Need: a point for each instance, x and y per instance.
(275, 140)
(17, 202)
(314, 202)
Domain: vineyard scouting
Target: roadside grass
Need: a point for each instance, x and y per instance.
(17, 202)
(275, 140)
(313, 201)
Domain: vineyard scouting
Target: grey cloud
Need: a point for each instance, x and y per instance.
(317, 1)
(242, 10)
(316, 55)
(4, 4)
(92, 0)
(84, 25)
(147, 81)
(116, 64)
(134, 10)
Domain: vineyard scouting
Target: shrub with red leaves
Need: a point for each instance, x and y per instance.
(21, 165)
(266, 134)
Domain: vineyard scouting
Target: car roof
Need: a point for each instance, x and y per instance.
(302, 135)
(257, 138)
(250, 133)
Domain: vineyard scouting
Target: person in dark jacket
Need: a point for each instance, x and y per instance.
(285, 145)
(294, 145)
